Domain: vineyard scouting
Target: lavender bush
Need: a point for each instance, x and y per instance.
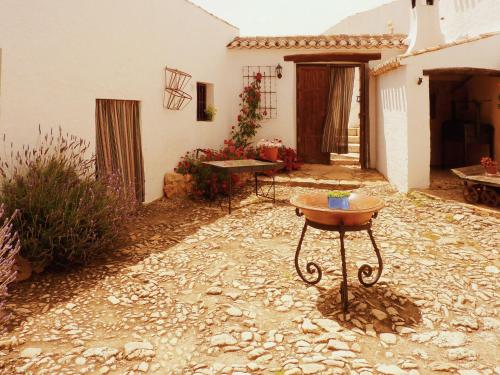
(9, 247)
(66, 214)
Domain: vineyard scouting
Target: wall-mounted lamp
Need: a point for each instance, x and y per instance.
(279, 71)
(420, 80)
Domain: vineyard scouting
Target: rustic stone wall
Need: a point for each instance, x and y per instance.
(177, 185)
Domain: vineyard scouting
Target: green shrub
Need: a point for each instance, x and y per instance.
(66, 214)
(339, 194)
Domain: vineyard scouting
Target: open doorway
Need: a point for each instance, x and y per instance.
(353, 152)
(118, 143)
(329, 107)
(464, 120)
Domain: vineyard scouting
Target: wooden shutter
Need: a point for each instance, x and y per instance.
(201, 102)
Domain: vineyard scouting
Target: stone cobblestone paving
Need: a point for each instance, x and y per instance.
(203, 292)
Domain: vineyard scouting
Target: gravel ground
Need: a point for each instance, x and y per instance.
(198, 291)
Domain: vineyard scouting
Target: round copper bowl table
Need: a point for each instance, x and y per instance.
(362, 210)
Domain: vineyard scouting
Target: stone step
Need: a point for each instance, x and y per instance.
(345, 159)
(353, 131)
(354, 139)
(313, 183)
(353, 148)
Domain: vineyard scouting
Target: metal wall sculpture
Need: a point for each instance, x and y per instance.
(175, 97)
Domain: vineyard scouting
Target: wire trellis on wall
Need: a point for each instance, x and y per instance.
(175, 97)
(268, 107)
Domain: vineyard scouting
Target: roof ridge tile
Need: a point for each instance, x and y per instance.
(396, 41)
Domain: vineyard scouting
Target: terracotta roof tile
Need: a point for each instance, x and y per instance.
(386, 66)
(396, 62)
(397, 41)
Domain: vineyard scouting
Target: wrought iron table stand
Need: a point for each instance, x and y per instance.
(230, 167)
(365, 271)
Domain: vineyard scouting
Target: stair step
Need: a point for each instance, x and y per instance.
(353, 147)
(353, 131)
(345, 159)
(353, 139)
(344, 162)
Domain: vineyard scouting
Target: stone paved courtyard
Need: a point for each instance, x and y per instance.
(201, 292)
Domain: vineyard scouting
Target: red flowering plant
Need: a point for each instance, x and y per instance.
(289, 156)
(489, 165)
(488, 162)
(249, 116)
(206, 182)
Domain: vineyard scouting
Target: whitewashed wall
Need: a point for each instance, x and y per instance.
(467, 18)
(354, 119)
(448, 20)
(480, 54)
(58, 56)
(392, 128)
(376, 20)
(410, 126)
(285, 125)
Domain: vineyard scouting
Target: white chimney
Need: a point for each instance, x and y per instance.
(425, 29)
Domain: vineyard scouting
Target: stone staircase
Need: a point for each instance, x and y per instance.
(352, 158)
(354, 141)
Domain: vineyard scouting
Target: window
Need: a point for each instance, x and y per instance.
(201, 101)
(204, 100)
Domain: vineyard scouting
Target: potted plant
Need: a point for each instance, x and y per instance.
(489, 165)
(268, 149)
(338, 200)
(210, 112)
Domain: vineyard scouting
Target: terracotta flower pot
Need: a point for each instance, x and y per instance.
(269, 153)
(492, 169)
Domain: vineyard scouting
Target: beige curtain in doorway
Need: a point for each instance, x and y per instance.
(335, 131)
(118, 141)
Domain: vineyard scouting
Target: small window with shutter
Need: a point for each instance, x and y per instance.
(201, 101)
(204, 101)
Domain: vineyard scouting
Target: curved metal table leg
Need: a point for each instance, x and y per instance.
(366, 270)
(311, 267)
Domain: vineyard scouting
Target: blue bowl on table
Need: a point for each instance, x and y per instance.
(338, 203)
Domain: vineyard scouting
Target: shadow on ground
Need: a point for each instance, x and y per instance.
(378, 306)
(158, 227)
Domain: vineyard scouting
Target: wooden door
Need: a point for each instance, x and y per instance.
(364, 117)
(313, 83)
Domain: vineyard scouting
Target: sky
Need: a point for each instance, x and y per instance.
(285, 17)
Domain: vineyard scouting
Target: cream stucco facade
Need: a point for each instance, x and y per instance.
(59, 56)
